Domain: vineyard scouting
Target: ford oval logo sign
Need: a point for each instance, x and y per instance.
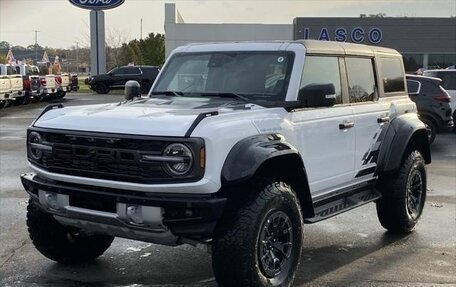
(97, 4)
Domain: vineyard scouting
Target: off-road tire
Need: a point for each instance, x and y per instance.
(20, 100)
(60, 95)
(61, 243)
(236, 245)
(101, 88)
(145, 87)
(393, 207)
(431, 129)
(454, 119)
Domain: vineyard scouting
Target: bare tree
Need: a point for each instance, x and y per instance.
(114, 40)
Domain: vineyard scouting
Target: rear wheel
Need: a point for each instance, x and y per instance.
(60, 95)
(404, 195)
(454, 120)
(259, 241)
(20, 100)
(61, 243)
(101, 88)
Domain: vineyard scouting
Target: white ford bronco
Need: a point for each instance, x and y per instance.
(236, 147)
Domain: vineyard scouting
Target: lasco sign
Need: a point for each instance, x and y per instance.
(356, 35)
(97, 4)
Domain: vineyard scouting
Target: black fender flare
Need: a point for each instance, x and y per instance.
(403, 131)
(271, 152)
(247, 155)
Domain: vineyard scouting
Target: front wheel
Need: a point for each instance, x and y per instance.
(258, 242)
(61, 243)
(404, 195)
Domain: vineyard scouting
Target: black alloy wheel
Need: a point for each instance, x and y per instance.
(414, 193)
(275, 244)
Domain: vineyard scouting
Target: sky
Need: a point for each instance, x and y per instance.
(61, 25)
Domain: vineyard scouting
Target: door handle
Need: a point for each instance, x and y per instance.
(383, 120)
(346, 125)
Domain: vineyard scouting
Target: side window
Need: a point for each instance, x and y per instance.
(132, 71)
(430, 87)
(361, 80)
(119, 71)
(393, 77)
(320, 70)
(413, 87)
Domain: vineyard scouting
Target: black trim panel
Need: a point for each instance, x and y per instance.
(198, 119)
(401, 131)
(248, 154)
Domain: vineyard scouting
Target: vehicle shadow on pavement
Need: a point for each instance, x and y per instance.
(320, 262)
(164, 266)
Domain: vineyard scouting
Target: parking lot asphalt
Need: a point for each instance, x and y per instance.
(351, 249)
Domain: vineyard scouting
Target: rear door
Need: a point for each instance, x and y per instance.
(372, 114)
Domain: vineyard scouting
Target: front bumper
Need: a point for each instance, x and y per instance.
(64, 88)
(45, 91)
(166, 217)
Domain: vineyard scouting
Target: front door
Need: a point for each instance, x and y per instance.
(325, 136)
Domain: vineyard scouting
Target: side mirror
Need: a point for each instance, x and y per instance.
(110, 74)
(317, 95)
(132, 90)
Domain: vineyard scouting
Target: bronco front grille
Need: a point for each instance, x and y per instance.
(110, 156)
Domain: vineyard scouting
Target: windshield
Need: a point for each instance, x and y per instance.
(10, 70)
(259, 75)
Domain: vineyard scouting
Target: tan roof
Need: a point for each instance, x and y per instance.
(342, 48)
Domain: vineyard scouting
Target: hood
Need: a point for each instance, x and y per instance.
(171, 116)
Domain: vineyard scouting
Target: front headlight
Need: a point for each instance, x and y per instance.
(33, 140)
(180, 159)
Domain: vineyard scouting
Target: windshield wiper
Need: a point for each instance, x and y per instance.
(227, 95)
(169, 93)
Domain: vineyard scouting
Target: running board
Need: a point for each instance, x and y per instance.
(327, 209)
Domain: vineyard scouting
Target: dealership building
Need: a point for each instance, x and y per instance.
(423, 42)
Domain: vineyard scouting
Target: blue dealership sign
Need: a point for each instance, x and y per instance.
(97, 4)
(373, 35)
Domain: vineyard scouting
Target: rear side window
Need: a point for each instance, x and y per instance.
(430, 87)
(132, 71)
(413, 86)
(361, 80)
(393, 76)
(320, 70)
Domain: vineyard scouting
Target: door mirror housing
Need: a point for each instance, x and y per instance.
(132, 90)
(317, 95)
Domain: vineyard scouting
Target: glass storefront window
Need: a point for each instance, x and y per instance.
(412, 62)
(441, 60)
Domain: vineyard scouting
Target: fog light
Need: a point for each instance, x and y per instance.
(134, 214)
(51, 200)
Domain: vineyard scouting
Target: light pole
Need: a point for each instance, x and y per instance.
(36, 44)
(77, 57)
